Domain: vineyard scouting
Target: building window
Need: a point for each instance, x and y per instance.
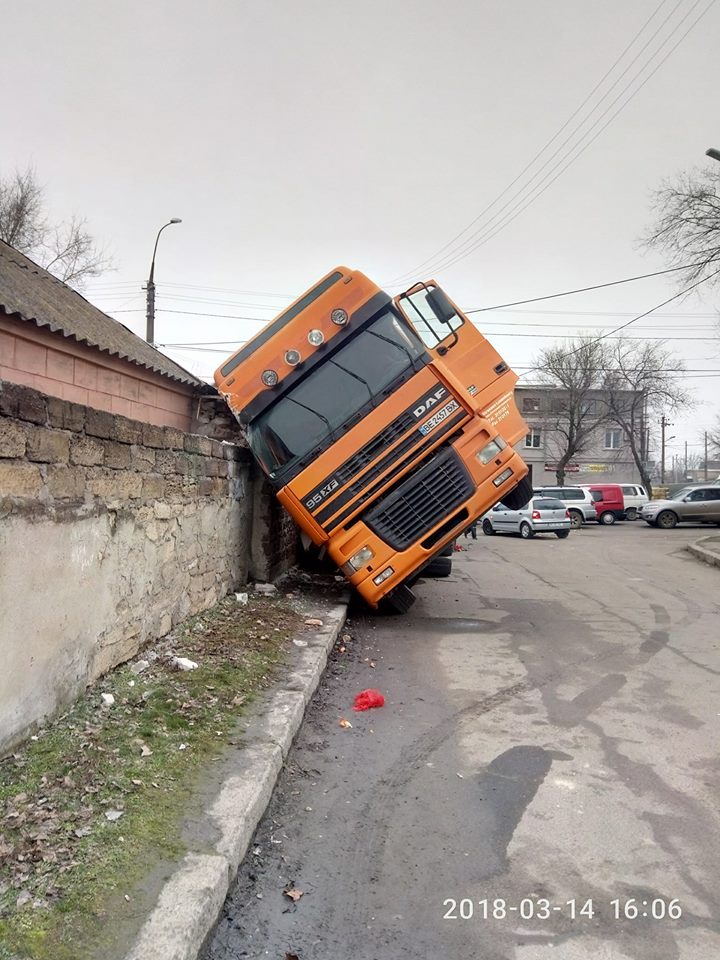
(613, 439)
(531, 405)
(533, 439)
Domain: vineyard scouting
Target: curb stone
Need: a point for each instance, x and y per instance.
(192, 897)
(702, 553)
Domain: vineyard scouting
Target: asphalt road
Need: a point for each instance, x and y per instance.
(548, 746)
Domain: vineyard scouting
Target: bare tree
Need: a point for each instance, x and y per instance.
(67, 250)
(576, 369)
(714, 436)
(642, 382)
(687, 225)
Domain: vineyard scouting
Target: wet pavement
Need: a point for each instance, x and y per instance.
(541, 782)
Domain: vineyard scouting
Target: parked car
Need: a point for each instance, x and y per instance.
(541, 515)
(609, 501)
(635, 498)
(691, 504)
(577, 500)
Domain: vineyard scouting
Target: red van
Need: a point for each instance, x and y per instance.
(609, 501)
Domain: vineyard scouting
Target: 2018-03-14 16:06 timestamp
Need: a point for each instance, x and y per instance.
(530, 908)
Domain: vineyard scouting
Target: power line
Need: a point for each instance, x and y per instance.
(624, 326)
(481, 234)
(539, 153)
(596, 286)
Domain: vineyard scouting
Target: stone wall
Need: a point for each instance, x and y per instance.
(112, 531)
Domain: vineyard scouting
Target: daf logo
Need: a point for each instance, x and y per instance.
(429, 402)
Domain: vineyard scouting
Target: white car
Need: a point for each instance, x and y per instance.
(541, 515)
(635, 498)
(577, 500)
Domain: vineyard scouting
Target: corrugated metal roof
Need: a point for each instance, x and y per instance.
(40, 298)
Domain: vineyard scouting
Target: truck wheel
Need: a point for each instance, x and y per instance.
(487, 528)
(397, 601)
(607, 518)
(520, 495)
(448, 550)
(438, 567)
(576, 519)
(526, 531)
(666, 520)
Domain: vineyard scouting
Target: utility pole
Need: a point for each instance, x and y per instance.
(686, 473)
(706, 455)
(150, 288)
(663, 424)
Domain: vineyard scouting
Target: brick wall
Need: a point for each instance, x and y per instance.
(36, 357)
(111, 531)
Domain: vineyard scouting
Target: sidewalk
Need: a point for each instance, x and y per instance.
(122, 823)
(706, 549)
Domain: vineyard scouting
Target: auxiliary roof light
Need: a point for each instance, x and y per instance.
(269, 378)
(339, 317)
(292, 357)
(316, 337)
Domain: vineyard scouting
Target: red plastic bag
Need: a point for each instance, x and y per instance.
(367, 699)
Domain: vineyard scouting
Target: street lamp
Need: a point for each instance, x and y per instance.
(150, 315)
(713, 153)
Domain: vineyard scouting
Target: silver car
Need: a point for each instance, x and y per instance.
(541, 515)
(689, 505)
(578, 501)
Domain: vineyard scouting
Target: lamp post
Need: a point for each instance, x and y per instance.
(150, 313)
(713, 153)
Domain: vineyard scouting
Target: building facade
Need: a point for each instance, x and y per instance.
(605, 456)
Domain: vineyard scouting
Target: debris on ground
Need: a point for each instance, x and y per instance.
(241, 598)
(300, 643)
(293, 893)
(267, 589)
(345, 724)
(183, 663)
(108, 700)
(313, 622)
(368, 700)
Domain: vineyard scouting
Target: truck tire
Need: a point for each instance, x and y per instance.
(398, 601)
(448, 550)
(438, 567)
(520, 496)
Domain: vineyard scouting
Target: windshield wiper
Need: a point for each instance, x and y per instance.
(310, 410)
(399, 346)
(355, 376)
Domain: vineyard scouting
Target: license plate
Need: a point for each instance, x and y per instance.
(438, 417)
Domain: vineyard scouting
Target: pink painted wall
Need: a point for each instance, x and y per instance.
(53, 364)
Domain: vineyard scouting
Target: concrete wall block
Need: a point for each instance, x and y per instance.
(217, 449)
(23, 403)
(166, 461)
(154, 436)
(65, 482)
(153, 487)
(64, 415)
(100, 423)
(20, 479)
(142, 458)
(128, 431)
(47, 446)
(196, 444)
(13, 438)
(117, 455)
(114, 484)
(174, 439)
(86, 452)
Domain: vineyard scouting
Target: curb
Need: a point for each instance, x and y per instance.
(192, 897)
(707, 556)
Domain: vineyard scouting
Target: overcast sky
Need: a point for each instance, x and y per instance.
(294, 136)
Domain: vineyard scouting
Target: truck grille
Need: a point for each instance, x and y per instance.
(420, 502)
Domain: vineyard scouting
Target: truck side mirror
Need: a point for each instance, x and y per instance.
(440, 305)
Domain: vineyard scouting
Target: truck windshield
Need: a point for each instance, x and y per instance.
(352, 378)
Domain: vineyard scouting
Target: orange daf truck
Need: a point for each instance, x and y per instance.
(386, 426)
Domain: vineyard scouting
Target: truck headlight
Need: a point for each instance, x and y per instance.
(358, 560)
(491, 450)
(382, 577)
(501, 478)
